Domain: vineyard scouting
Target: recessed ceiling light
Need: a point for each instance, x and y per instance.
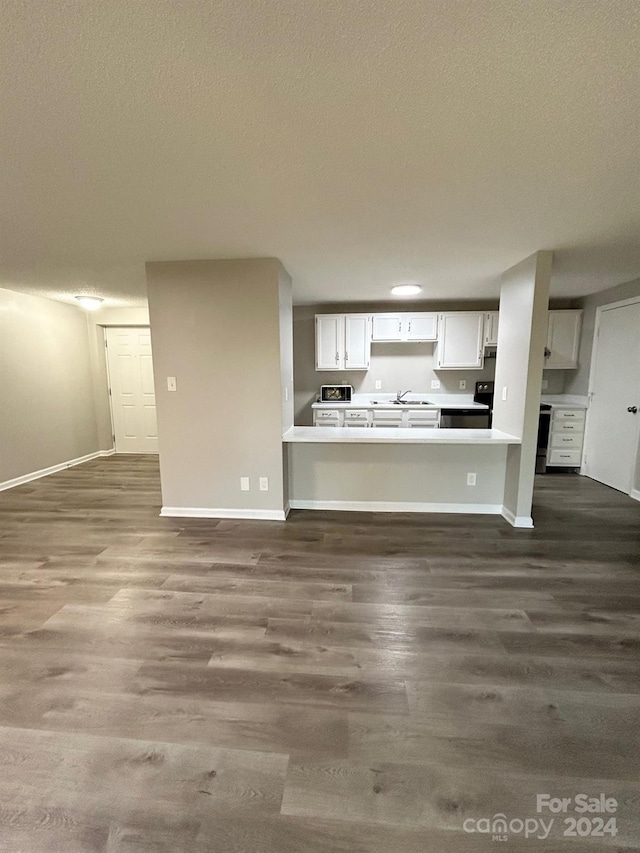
(89, 302)
(406, 289)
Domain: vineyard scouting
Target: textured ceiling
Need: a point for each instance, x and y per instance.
(363, 142)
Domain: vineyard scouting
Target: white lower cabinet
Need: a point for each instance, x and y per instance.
(356, 418)
(374, 417)
(429, 419)
(327, 417)
(386, 418)
(566, 438)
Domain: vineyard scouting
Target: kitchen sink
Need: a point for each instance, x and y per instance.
(402, 403)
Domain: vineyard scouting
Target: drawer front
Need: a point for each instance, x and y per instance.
(569, 415)
(424, 424)
(387, 417)
(567, 427)
(571, 458)
(359, 415)
(326, 417)
(566, 441)
(422, 416)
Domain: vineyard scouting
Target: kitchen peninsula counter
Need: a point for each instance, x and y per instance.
(380, 435)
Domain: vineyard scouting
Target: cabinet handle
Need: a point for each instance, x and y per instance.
(399, 326)
(346, 357)
(337, 357)
(409, 325)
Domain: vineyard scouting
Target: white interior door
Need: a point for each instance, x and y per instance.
(133, 399)
(612, 432)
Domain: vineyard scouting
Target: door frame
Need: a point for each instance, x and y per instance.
(109, 394)
(634, 493)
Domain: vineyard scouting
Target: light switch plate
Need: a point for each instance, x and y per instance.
(435, 384)
(244, 484)
(504, 392)
(171, 383)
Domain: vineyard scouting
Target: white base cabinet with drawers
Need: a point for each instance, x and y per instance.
(374, 417)
(566, 438)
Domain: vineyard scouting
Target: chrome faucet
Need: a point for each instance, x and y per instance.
(401, 394)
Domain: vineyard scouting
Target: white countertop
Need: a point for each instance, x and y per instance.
(369, 435)
(385, 401)
(564, 401)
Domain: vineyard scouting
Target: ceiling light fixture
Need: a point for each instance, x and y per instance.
(406, 289)
(89, 302)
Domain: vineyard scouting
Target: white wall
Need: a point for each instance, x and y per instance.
(522, 334)
(424, 475)
(578, 380)
(406, 365)
(215, 326)
(47, 414)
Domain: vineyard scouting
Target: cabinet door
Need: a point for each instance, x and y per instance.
(329, 341)
(563, 340)
(461, 341)
(421, 327)
(357, 341)
(491, 320)
(386, 327)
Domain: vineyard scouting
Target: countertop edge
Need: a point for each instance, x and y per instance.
(370, 435)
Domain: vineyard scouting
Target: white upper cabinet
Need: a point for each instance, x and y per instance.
(386, 327)
(421, 327)
(460, 341)
(491, 319)
(357, 341)
(563, 340)
(329, 341)
(405, 326)
(343, 341)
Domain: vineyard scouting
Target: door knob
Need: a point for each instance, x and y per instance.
(632, 409)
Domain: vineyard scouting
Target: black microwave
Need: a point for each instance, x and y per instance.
(335, 393)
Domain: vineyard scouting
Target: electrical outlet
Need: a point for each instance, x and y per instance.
(244, 484)
(378, 384)
(463, 384)
(504, 392)
(264, 484)
(435, 384)
(471, 479)
(171, 383)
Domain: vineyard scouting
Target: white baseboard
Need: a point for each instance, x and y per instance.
(287, 509)
(398, 506)
(524, 521)
(207, 512)
(44, 472)
(635, 494)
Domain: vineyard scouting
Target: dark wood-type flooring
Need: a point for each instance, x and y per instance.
(339, 682)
